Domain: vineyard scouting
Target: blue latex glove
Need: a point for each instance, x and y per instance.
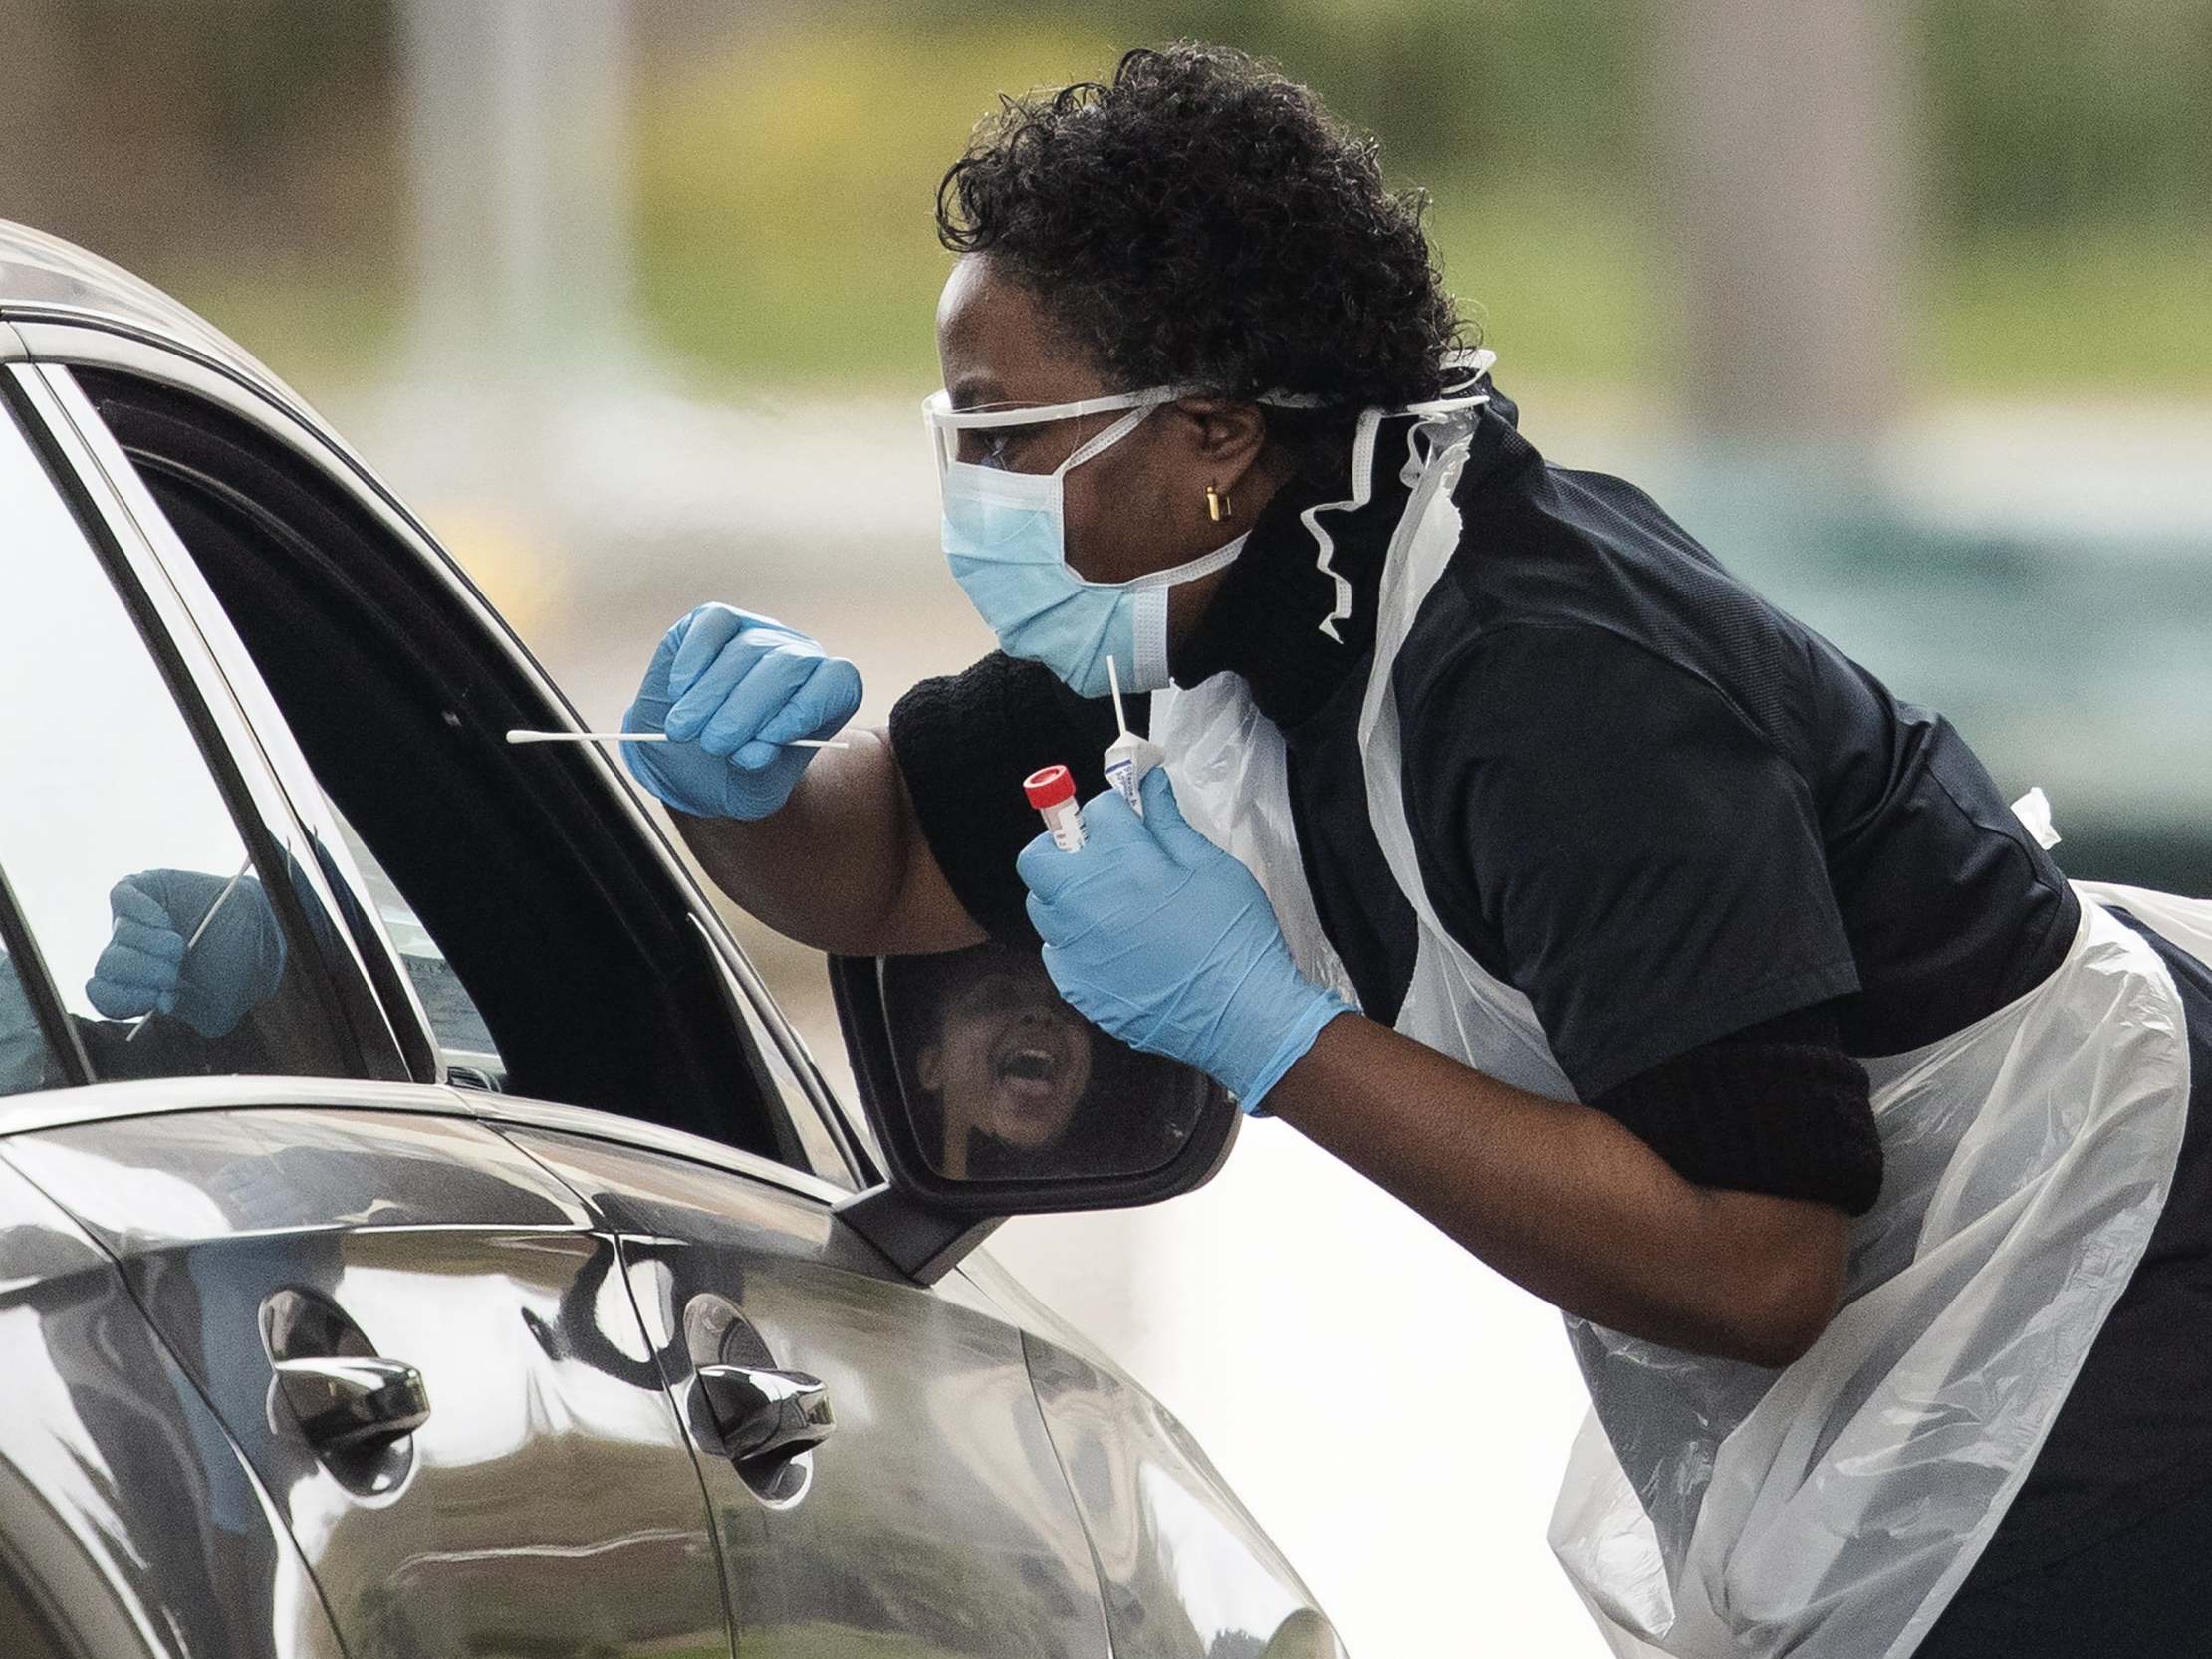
(730, 688)
(145, 968)
(1166, 941)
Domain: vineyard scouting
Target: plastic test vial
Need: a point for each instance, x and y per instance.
(1051, 791)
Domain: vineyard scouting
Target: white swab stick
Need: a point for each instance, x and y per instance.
(657, 737)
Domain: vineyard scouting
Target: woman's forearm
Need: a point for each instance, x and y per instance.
(1566, 1202)
(842, 865)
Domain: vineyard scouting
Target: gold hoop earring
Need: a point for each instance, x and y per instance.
(1218, 505)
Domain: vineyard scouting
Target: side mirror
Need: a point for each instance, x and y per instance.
(992, 1097)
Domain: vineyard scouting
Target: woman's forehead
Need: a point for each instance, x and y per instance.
(998, 346)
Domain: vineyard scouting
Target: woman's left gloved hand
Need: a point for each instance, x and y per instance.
(1168, 943)
(146, 968)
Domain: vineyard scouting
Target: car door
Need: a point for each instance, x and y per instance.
(932, 1519)
(428, 1355)
(913, 1504)
(418, 1338)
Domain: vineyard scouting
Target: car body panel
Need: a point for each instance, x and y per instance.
(1185, 1571)
(131, 1527)
(144, 1184)
(548, 1504)
(934, 1520)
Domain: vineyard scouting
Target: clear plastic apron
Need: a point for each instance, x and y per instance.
(1828, 1511)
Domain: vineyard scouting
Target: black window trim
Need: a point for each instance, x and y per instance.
(58, 344)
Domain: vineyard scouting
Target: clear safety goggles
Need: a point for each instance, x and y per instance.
(946, 423)
(1466, 371)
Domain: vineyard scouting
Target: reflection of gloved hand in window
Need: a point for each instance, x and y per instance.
(1168, 942)
(732, 690)
(147, 970)
(22, 1043)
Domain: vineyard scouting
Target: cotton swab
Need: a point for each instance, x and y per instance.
(229, 888)
(658, 737)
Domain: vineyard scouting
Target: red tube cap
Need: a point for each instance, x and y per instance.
(1048, 786)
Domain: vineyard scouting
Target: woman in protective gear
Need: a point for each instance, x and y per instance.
(1514, 852)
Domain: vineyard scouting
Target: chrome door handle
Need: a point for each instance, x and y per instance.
(350, 1405)
(764, 1413)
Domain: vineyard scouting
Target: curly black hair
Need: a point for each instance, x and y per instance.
(1203, 219)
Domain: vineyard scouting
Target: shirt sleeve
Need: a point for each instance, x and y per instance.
(964, 742)
(1610, 834)
(1777, 1109)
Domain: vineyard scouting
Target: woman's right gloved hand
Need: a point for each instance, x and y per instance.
(731, 689)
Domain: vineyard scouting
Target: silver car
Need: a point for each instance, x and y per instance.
(466, 1258)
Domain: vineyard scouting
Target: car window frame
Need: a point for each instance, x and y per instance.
(234, 762)
(58, 345)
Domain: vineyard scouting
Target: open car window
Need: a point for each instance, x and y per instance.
(554, 957)
(172, 947)
(464, 1042)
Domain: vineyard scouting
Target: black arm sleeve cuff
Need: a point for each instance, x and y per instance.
(964, 742)
(1776, 1109)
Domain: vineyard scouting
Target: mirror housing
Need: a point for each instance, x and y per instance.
(1194, 1132)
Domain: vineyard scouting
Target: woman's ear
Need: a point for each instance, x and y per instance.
(929, 1066)
(1226, 436)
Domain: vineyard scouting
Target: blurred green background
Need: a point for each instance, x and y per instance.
(246, 153)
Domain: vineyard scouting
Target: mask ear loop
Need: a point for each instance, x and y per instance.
(1101, 442)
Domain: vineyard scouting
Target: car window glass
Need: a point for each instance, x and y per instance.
(464, 1041)
(27, 1059)
(539, 930)
(815, 1140)
(126, 865)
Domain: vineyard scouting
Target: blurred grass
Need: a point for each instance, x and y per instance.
(2130, 308)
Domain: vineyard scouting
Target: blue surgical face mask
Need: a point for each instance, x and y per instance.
(1006, 538)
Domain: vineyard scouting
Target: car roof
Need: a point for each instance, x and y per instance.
(43, 277)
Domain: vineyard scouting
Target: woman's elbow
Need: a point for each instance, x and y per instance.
(1790, 1284)
(1784, 1330)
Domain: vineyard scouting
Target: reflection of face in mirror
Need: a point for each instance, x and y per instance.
(1010, 1059)
(1002, 1080)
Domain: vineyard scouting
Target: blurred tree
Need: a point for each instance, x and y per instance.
(1788, 201)
(2068, 115)
(519, 123)
(163, 128)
